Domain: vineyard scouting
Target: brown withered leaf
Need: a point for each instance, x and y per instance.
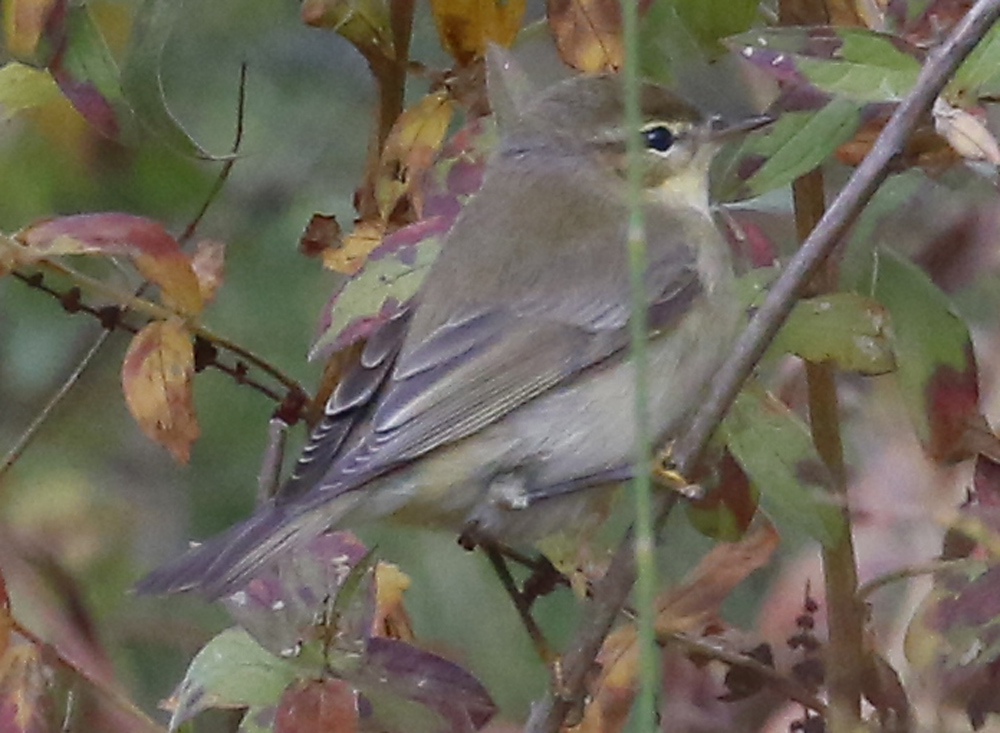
(686, 608)
(588, 33)
(322, 232)
(209, 264)
(154, 251)
(317, 705)
(409, 150)
(24, 691)
(156, 379)
(24, 21)
(697, 599)
(353, 251)
(924, 148)
(467, 27)
(965, 132)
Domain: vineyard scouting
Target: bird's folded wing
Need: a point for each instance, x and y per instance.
(468, 375)
(349, 407)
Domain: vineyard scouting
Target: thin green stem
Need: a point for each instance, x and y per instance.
(645, 712)
(32, 430)
(912, 571)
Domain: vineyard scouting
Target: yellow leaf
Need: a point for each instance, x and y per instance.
(466, 27)
(156, 379)
(13, 255)
(390, 617)
(410, 149)
(355, 248)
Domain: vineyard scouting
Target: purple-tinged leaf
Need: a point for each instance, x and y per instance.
(853, 63)
(283, 606)
(394, 673)
(391, 276)
(86, 73)
(395, 269)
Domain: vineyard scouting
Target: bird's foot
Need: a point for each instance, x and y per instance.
(667, 476)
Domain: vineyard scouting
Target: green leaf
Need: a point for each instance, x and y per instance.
(23, 87)
(231, 671)
(258, 719)
(793, 146)
(775, 449)
(936, 366)
(712, 21)
(980, 72)
(845, 328)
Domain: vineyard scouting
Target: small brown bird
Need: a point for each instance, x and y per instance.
(501, 400)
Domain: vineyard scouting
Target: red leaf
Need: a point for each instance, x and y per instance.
(156, 254)
(317, 705)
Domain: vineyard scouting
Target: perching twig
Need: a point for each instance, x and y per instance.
(612, 591)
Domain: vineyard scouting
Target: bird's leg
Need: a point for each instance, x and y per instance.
(544, 577)
(523, 605)
(495, 553)
(666, 475)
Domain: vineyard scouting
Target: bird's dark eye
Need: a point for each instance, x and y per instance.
(659, 138)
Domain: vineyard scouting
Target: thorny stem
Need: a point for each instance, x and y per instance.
(787, 686)
(160, 312)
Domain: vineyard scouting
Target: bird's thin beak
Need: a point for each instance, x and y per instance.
(722, 131)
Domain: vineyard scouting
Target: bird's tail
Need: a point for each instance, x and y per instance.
(227, 562)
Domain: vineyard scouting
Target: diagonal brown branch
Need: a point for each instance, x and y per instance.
(549, 713)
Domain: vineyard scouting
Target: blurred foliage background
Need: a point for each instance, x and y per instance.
(93, 504)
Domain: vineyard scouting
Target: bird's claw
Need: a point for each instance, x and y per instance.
(666, 475)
